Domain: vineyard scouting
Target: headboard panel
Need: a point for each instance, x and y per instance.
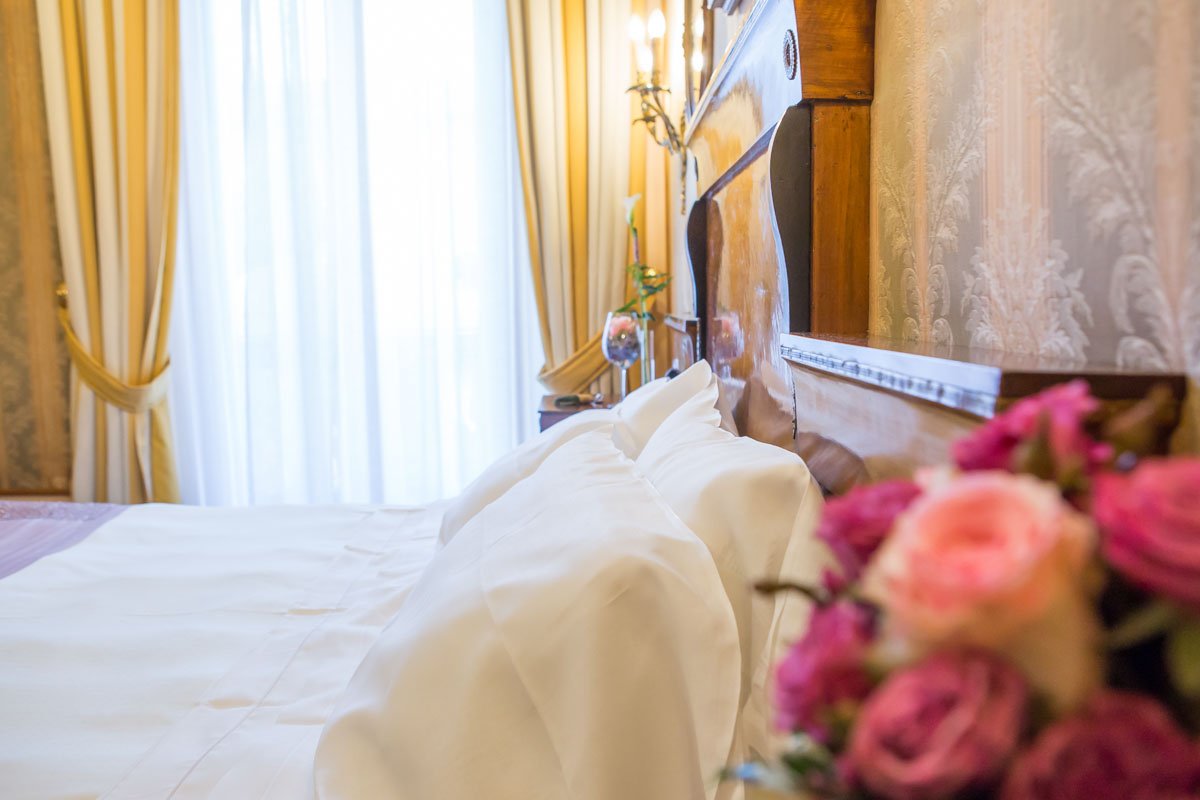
(778, 234)
(778, 241)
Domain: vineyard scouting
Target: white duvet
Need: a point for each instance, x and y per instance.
(184, 652)
(574, 640)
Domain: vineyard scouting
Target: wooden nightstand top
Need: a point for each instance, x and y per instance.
(549, 414)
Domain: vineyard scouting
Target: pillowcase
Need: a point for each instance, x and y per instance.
(630, 422)
(644, 410)
(573, 640)
(517, 465)
(756, 507)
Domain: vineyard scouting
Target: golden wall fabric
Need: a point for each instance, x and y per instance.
(111, 80)
(34, 430)
(1035, 179)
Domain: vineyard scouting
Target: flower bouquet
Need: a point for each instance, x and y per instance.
(1022, 625)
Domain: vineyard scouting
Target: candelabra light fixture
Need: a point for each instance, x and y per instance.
(647, 38)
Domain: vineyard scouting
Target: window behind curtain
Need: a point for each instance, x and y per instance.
(353, 317)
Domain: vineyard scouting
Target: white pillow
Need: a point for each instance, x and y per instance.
(757, 507)
(647, 408)
(631, 422)
(517, 465)
(573, 640)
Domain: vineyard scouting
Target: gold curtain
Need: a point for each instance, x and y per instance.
(111, 80)
(35, 452)
(571, 67)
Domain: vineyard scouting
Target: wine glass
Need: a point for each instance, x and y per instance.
(621, 343)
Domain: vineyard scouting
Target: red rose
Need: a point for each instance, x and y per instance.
(939, 729)
(1054, 419)
(1121, 747)
(1150, 526)
(825, 672)
(855, 524)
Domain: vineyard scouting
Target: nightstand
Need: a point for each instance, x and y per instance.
(550, 414)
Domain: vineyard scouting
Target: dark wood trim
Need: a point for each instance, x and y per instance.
(791, 172)
(837, 48)
(697, 251)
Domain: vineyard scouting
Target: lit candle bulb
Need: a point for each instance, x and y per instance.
(656, 25)
(698, 25)
(637, 30)
(697, 61)
(645, 59)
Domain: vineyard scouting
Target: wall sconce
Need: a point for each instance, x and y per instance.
(648, 51)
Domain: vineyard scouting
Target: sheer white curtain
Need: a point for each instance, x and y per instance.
(353, 316)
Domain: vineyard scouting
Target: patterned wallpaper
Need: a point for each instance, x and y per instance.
(1034, 178)
(34, 437)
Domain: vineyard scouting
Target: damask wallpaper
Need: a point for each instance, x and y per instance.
(1035, 184)
(34, 443)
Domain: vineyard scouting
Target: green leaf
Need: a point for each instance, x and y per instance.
(1183, 657)
(1148, 621)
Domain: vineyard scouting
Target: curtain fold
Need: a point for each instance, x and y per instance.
(570, 67)
(111, 80)
(35, 450)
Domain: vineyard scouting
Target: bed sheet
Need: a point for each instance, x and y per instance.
(188, 652)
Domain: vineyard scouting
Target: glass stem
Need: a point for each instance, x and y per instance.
(646, 345)
(624, 381)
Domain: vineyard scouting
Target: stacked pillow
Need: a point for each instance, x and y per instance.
(588, 628)
(573, 640)
(631, 424)
(756, 507)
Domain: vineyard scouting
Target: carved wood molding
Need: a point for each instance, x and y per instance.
(976, 382)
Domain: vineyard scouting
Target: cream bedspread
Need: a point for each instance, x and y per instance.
(190, 652)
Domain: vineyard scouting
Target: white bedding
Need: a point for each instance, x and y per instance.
(190, 652)
(576, 636)
(573, 641)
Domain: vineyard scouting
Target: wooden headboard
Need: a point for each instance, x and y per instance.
(778, 241)
(778, 235)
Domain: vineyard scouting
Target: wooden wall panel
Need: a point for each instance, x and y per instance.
(841, 207)
(837, 48)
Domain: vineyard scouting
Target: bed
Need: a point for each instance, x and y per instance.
(578, 623)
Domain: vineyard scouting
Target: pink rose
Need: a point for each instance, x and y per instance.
(999, 561)
(824, 675)
(985, 549)
(1009, 441)
(1150, 526)
(1120, 747)
(855, 524)
(943, 727)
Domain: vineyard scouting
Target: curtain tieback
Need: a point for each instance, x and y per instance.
(131, 398)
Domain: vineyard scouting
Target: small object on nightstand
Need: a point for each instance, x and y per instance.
(569, 400)
(552, 411)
